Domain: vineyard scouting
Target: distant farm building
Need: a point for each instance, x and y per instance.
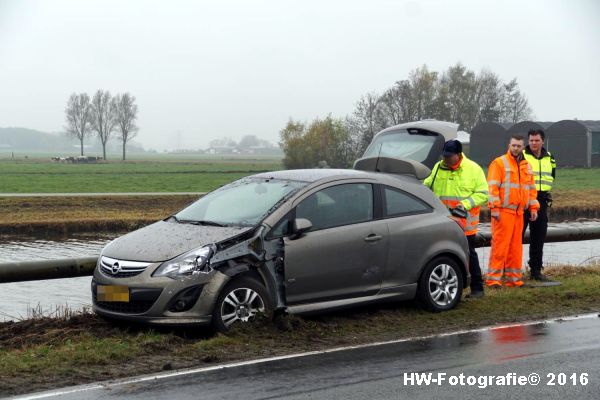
(574, 143)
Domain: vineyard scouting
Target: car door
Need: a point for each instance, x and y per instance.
(412, 228)
(345, 252)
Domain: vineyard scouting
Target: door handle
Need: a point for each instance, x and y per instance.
(373, 238)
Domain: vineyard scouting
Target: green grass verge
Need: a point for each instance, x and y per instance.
(45, 353)
(143, 176)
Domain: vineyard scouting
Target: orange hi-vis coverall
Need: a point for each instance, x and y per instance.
(512, 191)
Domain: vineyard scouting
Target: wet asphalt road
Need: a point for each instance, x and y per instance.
(384, 371)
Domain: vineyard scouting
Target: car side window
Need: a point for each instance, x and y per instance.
(338, 205)
(398, 202)
(281, 228)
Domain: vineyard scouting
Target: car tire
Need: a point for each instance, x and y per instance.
(240, 300)
(441, 285)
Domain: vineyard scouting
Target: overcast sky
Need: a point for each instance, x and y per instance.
(202, 70)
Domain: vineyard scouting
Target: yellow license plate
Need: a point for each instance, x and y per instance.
(113, 293)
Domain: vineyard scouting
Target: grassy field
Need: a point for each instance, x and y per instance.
(576, 195)
(43, 353)
(31, 176)
(174, 174)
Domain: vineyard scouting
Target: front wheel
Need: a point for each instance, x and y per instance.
(440, 285)
(240, 301)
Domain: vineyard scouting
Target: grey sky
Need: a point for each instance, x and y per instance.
(208, 69)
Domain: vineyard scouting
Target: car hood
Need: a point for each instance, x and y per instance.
(164, 240)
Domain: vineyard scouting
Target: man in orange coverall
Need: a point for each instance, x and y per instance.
(511, 192)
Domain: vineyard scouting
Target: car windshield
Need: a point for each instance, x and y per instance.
(401, 144)
(242, 203)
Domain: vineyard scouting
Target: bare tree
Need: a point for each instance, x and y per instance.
(515, 106)
(125, 116)
(103, 117)
(423, 87)
(396, 103)
(78, 116)
(460, 89)
(489, 97)
(367, 120)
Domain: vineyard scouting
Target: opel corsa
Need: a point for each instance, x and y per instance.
(296, 240)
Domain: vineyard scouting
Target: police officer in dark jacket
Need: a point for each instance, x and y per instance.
(544, 172)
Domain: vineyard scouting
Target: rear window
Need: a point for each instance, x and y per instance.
(401, 144)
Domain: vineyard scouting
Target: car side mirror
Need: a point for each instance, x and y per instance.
(299, 227)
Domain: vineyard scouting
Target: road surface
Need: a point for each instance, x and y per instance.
(497, 363)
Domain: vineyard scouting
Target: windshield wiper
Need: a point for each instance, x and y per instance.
(208, 223)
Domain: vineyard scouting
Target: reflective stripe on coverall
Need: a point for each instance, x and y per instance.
(464, 185)
(512, 191)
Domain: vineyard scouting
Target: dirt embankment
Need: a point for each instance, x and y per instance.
(62, 215)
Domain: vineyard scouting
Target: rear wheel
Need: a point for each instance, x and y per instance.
(441, 285)
(240, 300)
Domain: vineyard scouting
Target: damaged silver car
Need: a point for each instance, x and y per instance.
(296, 240)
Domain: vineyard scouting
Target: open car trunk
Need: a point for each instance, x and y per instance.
(420, 141)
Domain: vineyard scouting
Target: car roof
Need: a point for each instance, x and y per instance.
(326, 174)
(317, 174)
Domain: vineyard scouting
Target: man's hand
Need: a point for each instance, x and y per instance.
(533, 216)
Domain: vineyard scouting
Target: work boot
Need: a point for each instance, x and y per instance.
(475, 294)
(536, 275)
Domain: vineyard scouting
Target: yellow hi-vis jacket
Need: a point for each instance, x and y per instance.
(544, 169)
(465, 185)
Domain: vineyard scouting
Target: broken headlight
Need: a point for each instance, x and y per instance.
(191, 263)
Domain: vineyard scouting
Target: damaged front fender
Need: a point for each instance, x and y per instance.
(249, 253)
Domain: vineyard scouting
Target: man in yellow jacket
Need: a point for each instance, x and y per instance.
(460, 184)
(543, 165)
(512, 192)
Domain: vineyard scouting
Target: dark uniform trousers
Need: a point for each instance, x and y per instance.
(537, 233)
(474, 267)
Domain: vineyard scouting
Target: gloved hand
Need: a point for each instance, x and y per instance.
(459, 211)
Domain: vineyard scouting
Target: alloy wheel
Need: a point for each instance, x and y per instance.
(241, 304)
(443, 285)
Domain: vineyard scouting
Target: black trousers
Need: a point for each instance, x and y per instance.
(474, 267)
(537, 234)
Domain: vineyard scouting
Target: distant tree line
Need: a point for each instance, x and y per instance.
(457, 95)
(246, 142)
(102, 115)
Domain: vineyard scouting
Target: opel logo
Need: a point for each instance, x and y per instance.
(116, 268)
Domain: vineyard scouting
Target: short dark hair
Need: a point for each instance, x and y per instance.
(517, 137)
(533, 132)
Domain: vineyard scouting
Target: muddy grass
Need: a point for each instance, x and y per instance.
(64, 215)
(45, 353)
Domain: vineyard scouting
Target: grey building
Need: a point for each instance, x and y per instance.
(571, 143)
(574, 143)
(594, 127)
(488, 141)
(521, 128)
